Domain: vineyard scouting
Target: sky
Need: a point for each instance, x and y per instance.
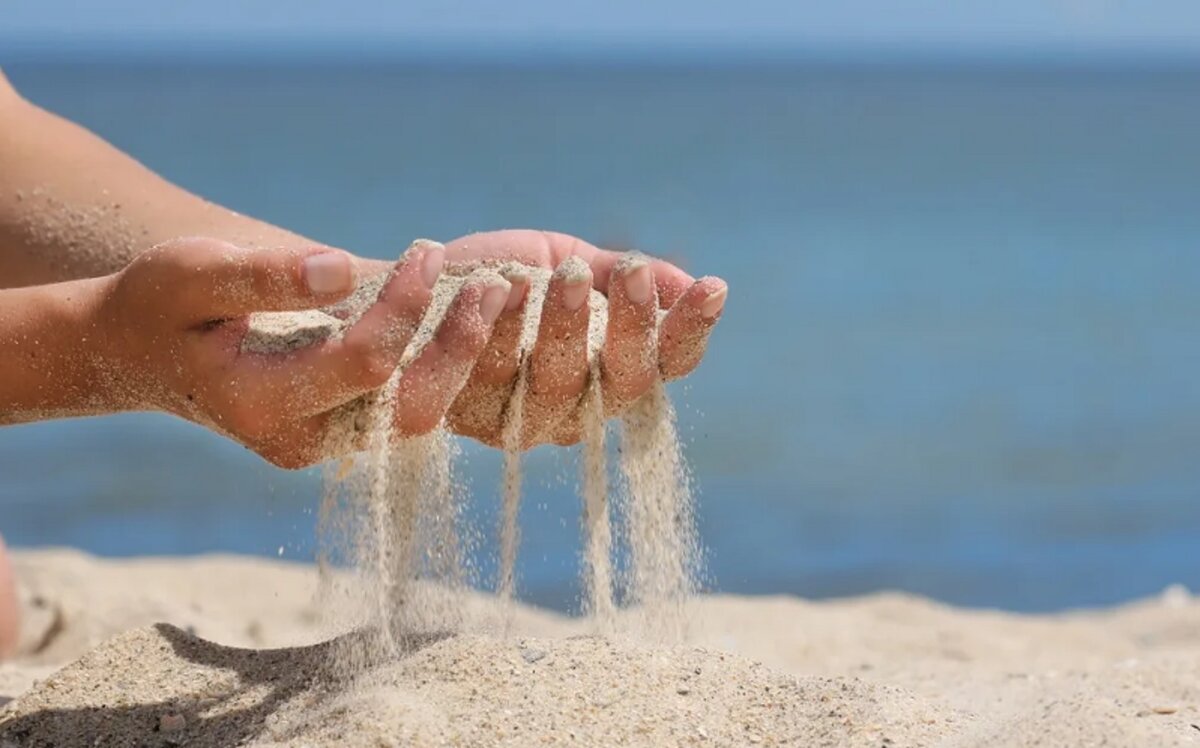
(1139, 27)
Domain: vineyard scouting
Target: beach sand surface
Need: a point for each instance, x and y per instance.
(225, 650)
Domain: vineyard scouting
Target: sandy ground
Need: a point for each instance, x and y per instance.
(222, 650)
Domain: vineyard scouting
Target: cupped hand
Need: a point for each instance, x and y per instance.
(174, 321)
(637, 350)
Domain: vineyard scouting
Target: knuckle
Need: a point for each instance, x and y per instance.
(169, 267)
(290, 450)
(374, 369)
(370, 364)
(243, 419)
(408, 299)
(678, 367)
(558, 372)
(619, 389)
(161, 260)
(566, 439)
(463, 424)
(374, 373)
(173, 256)
(627, 365)
(268, 279)
(419, 423)
(551, 392)
(288, 459)
(465, 341)
(631, 324)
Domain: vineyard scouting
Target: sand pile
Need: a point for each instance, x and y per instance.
(883, 670)
(160, 686)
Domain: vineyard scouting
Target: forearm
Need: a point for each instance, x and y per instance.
(51, 352)
(73, 206)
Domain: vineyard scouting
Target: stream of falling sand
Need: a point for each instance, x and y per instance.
(660, 517)
(378, 548)
(396, 512)
(510, 508)
(597, 524)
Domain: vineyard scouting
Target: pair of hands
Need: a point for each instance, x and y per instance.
(174, 320)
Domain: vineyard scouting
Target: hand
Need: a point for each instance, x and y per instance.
(558, 370)
(174, 319)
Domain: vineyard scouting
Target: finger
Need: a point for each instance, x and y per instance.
(670, 281)
(558, 365)
(501, 357)
(478, 409)
(683, 333)
(549, 248)
(432, 381)
(332, 372)
(568, 431)
(213, 279)
(628, 361)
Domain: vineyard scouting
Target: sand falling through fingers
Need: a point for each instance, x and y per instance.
(393, 510)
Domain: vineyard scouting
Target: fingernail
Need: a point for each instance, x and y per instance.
(494, 298)
(713, 304)
(638, 282)
(432, 262)
(519, 282)
(574, 294)
(328, 272)
(576, 279)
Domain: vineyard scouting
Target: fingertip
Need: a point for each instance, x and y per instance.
(518, 279)
(328, 273)
(431, 257)
(711, 307)
(411, 281)
(475, 309)
(683, 335)
(573, 268)
(493, 298)
(574, 277)
(635, 277)
(708, 295)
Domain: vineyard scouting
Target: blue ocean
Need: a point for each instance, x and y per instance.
(961, 353)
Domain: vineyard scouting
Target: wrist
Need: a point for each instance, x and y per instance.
(101, 362)
(81, 345)
(50, 335)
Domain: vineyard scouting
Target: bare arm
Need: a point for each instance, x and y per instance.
(73, 206)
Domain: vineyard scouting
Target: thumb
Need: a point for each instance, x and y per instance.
(218, 279)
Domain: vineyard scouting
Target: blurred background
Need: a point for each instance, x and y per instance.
(960, 355)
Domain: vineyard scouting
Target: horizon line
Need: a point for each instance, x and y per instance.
(218, 50)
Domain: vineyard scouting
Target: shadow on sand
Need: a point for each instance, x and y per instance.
(214, 713)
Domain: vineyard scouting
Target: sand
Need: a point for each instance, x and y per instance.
(195, 652)
(512, 434)
(596, 517)
(882, 670)
(378, 504)
(659, 521)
